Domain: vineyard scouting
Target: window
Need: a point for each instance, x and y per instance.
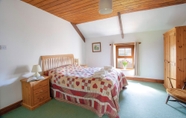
(125, 52)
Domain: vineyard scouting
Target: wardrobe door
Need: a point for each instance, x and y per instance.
(166, 60)
(172, 62)
(181, 56)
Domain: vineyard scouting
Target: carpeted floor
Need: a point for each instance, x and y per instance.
(139, 100)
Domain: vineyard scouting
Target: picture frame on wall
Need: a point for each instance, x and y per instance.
(96, 47)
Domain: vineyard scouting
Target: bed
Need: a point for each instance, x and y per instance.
(93, 88)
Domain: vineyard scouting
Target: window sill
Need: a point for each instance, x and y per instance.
(127, 69)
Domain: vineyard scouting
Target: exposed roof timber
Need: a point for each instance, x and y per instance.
(120, 24)
(78, 31)
(81, 11)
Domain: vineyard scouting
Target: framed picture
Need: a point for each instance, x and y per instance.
(96, 47)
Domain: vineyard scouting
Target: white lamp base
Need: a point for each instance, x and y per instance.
(37, 74)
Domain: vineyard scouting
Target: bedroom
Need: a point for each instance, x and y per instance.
(29, 32)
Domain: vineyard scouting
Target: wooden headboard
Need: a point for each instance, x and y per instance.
(53, 61)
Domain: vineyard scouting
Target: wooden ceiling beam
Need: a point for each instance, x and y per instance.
(78, 31)
(120, 24)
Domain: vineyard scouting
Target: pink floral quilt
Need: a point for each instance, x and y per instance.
(78, 85)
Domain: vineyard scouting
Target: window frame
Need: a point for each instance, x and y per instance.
(119, 57)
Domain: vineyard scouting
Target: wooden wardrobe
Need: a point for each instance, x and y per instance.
(175, 57)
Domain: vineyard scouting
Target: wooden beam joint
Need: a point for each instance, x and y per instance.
(78, 31)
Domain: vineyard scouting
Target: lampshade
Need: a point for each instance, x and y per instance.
(105, 6)
(36, 69)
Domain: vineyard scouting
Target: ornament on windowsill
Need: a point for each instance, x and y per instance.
(125, 63)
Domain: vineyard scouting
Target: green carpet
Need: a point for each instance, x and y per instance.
(139, 100)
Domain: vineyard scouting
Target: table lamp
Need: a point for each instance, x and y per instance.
(36, 69)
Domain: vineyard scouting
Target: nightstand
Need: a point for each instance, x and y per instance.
(35, 93)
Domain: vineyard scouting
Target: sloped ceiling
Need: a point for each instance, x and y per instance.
(81, 11)
(136, 15)
(148, 20)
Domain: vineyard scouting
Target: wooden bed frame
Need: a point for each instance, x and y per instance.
(53, 61)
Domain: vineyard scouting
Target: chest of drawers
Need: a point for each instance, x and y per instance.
(35, 93)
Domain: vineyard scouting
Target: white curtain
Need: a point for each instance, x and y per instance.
(113, 55)
(136, 54)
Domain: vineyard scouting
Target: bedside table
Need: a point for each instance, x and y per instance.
(35, 93)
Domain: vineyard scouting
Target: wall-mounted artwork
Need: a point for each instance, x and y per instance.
(96, 47)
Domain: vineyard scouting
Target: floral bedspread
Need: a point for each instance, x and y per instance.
(77, 85)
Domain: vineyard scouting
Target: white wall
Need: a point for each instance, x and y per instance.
(150, 52)
(184, 23)
(28, 33)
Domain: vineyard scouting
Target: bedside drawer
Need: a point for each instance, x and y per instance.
(42, 90)
(35, 93)
(40, 98)
(40, 84)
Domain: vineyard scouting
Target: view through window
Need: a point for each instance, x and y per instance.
(125, 56)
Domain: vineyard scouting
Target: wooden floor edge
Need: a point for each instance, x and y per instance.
(145, 79)
(10, 107)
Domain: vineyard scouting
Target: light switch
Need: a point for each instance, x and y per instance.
(2, 47)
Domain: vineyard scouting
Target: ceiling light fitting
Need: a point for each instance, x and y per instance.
(105, 6)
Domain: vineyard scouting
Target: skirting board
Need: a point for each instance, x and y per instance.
(145, 79)
(18, 104)
(10, 107)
